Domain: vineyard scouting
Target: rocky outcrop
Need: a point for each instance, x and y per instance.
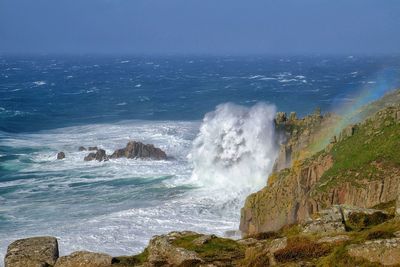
(300, 138)
(139, 150)
(162, 251)
(383, 251)
(100, 155)
(85, 259)
(82, 148)
(61, 155)
(294, 194)
(283, 202)
(32, 252)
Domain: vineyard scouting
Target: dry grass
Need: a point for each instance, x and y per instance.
(301, 248)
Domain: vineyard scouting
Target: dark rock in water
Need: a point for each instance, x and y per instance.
(139, 150)
(32, 252)
(100, 155)
(85, 258)
(61, 155)
(82, 148)
(90, 157)
(92, 148)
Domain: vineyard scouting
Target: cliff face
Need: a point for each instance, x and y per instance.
(361, 167)
(302, 137)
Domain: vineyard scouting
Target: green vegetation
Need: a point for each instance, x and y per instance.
(360, 221)
(214, 249)
(125, 261)
(369, 154)
(389, 207)
(379, 234)
(340, 258)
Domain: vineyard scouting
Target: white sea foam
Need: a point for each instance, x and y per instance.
(235, 147)
(39, 83)
(116, 206)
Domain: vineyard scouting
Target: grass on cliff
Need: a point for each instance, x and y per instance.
(301, 248)
(125, 261)
(370, 153)
(217, 248)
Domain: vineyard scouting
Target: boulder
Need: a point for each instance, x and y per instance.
(383, 251)
(32, 252)
(85, 259)
(139, 150)
(82, 148)
(100, 155)
(92, 148)
(347, 210)
(327, 221)
(162, 251)
(61, 155)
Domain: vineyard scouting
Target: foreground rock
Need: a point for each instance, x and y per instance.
(100, 155)
(61, 155)
(135, 150)
(32, 252)
(383, 251)
(162, 251)
(84, 259)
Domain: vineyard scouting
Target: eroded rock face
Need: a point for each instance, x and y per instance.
(84, 259)
(383, 251)
(100, 155)
(294, 194)
(139, 150)
(162, 251)
(32, 252)
(61, 155)
(283, 202)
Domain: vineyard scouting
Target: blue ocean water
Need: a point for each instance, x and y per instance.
(50, 104)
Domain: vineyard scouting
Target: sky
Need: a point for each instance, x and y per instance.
(225, 27)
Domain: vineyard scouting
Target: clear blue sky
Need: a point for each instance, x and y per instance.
(200, 26)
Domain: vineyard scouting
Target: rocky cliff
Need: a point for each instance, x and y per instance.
(359, 167)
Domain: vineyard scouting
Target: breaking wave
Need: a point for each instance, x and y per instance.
(235, 147)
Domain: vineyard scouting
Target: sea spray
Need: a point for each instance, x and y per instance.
(235, 148)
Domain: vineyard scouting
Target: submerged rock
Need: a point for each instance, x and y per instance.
(139, 150)
(32, 252)
(86, 259)
(100, 155)
(61, 155)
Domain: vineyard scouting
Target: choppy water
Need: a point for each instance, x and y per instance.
(58, 104)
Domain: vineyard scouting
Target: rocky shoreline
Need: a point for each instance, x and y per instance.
(332, 200)
(132, 150)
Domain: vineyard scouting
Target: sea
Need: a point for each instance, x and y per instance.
(213, 116)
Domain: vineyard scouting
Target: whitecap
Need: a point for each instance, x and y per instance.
(40, 83)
